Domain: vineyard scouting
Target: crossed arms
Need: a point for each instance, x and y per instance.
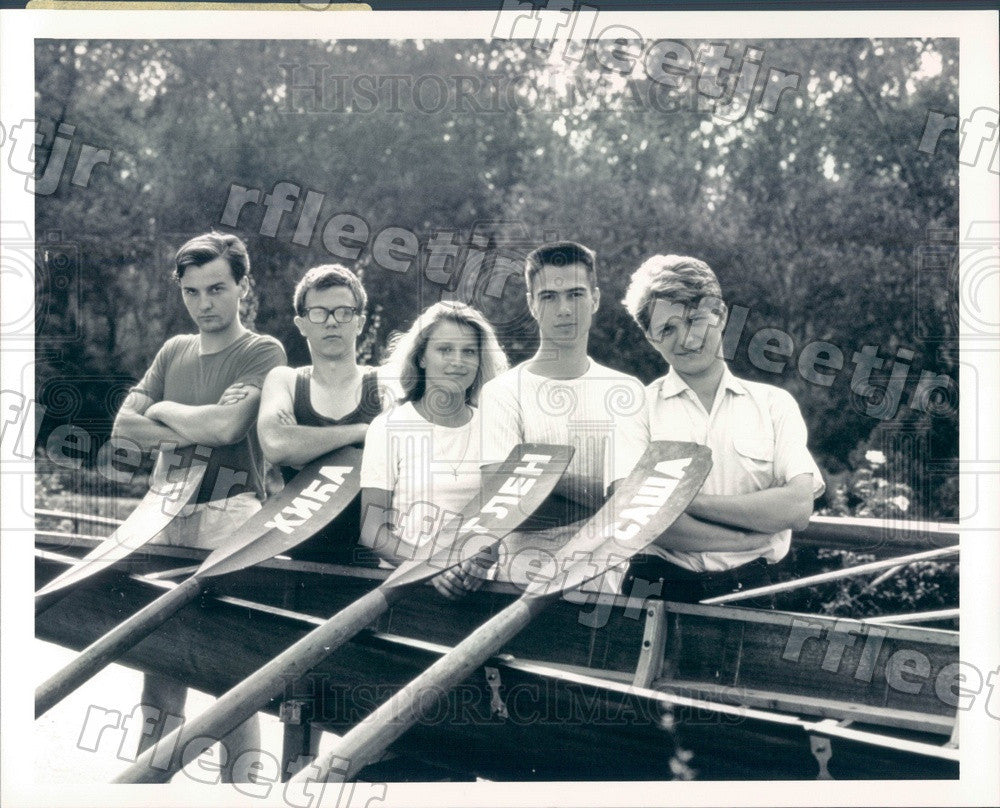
(737, 522)
(731, 523)
(150, 423)
(771, 510)
(284, 441)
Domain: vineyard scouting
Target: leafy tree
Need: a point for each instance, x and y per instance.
(818, 216)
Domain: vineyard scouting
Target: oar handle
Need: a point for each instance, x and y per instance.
(366, 742)
(160, 762)
(112, 645)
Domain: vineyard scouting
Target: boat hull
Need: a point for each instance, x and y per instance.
(560, 703)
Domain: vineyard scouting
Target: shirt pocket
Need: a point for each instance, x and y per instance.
(756, 456)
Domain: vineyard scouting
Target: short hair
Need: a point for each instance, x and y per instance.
(560, 254)
(404, 362)
(327, 276)
(206, 248)
(677, 278)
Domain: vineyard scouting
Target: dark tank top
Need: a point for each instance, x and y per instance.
(337, 543)
(368, 407)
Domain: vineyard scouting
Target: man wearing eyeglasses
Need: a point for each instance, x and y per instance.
(309, 411)
(763, 478)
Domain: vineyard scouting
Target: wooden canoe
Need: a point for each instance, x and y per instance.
(605, 689)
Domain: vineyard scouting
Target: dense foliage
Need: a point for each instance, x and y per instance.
(819, 217)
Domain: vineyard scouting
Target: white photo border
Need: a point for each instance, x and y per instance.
(980, 393)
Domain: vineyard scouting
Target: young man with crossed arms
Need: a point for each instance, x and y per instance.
(763, 478)
(201, 395)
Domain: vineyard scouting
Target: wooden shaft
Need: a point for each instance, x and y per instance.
(80, 517)
(44, 602)
(851, 531)
(366, 742)
(112, 645)
(50, 599)
(885, 576)
(254, 692)
(833, 575)
(916, 617)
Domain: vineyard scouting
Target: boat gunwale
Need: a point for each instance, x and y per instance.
(605, 599)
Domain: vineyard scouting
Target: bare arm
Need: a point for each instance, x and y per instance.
(692, 535)
(133, 424)
(783, 507)
(219, 424)
(284, 441)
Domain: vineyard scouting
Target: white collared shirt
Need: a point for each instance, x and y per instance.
(758, 441)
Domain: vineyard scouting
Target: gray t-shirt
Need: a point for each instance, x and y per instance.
(180, 373)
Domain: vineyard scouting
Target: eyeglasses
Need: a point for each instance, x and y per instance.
(697, 325)
(321, 314)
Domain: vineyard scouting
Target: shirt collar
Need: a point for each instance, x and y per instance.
(673, 385)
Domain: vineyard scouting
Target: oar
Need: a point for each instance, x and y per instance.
(645, 505)
(162, 503)
(508, 496)
(308, 502)
(832, 575)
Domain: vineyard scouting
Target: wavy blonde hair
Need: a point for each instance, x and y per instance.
(677, 278)
(403, 365)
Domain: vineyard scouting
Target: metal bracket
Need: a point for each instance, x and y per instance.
(654, 638)
(953, 740)
(297, 737)
(295, 711)
(497, 705)
(822, 751)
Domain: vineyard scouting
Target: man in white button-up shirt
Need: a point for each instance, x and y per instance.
(763, 479)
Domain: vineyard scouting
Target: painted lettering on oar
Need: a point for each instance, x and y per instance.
(653, 494)
(312, 498)
(510, 492)
(496, 509)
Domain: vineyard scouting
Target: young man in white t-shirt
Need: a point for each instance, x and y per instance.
(561, 395)
(763, 478)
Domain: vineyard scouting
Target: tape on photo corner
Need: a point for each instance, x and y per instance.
(73, 5)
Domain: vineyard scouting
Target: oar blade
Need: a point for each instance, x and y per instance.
(308, 502)
(154, 512)
(508, 496)
(645, 504)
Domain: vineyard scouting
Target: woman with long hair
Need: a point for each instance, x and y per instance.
(422, 457)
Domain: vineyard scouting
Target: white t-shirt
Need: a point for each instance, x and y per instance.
(758, 440)
(432, 471)
(599, 414)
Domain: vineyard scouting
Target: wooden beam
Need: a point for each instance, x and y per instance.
(810, 706)
(786, 620)
(654, 638)
(829, 727)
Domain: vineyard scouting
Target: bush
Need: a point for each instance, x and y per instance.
(865, 492)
